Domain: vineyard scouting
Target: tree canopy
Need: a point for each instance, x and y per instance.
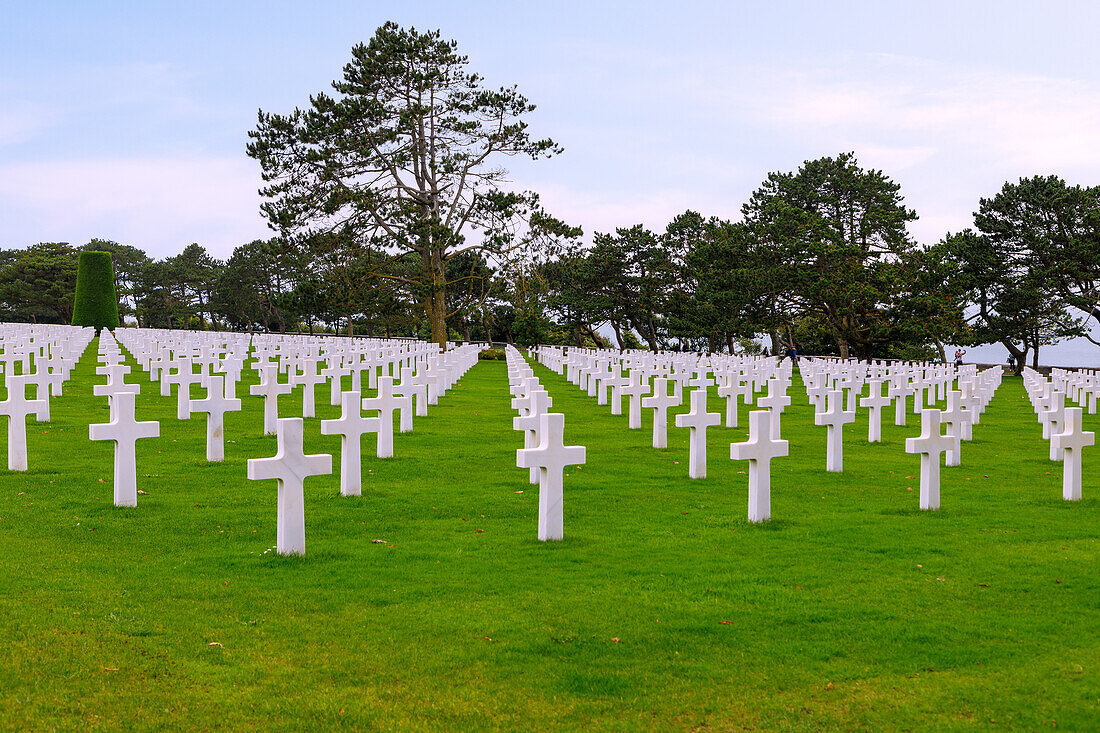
(404, 157)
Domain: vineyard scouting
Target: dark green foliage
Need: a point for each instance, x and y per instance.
(835, 235)
(406, 155)
(128, 263)
(492, 355)
(95, 303)
(37, 283)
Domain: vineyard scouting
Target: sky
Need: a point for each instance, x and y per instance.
(128, 121)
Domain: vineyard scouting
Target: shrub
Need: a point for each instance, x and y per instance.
(491, 355)
(96, 303)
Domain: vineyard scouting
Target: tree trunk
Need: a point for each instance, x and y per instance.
(777, 343)
(1019, 358)
(618, 334)
(842, 344)
(435, 305)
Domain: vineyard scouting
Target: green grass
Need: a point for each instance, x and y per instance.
(662, 609)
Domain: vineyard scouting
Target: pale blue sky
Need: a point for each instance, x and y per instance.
(128, 120)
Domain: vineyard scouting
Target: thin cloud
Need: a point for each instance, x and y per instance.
(157, 204)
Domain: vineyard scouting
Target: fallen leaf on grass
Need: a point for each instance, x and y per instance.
(140, 491)
(110, 669)
(101, 481)
(478, 531)
(486, 638)
(727, 623)
(215, 643)
(615, 639)
(379, 542)
(518, 492)
(940, 579)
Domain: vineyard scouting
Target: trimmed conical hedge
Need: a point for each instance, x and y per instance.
(96, 303)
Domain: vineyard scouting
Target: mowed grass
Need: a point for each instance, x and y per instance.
(662, 608)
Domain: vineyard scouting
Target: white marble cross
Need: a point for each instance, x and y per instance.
(954, 417)
(309, 379)
(759, 450)
(184, 377)
(215, 405)
(335, 373)
(874, 402)
(775, 401)
(835, 418)
(116, 382)
(635, 390)
(660, 401)
(290, 466)
(701, 380)
(1052, 418)
(270, 388)
(385, 402)
(731, 390)
(551, 456)
(125, 431)
(899, 390)
(17, 407)
(930, 444)
(350, 426)
(414, 389)
(698, 420)
(41, 379)
(1069, 443)
(616, 381)
(536, 404)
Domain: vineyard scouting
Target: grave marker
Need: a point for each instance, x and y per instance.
(759, 450)
(290, 466)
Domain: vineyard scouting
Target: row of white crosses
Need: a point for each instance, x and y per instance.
(764, 441)
(599, 374)
(830, 379)
(833, 388)
(1081, 386)
(171, 357)
(35, 355)
(1062, 425)
(124, 430)
(544, 451)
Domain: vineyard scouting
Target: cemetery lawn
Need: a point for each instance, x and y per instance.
(428, 603)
